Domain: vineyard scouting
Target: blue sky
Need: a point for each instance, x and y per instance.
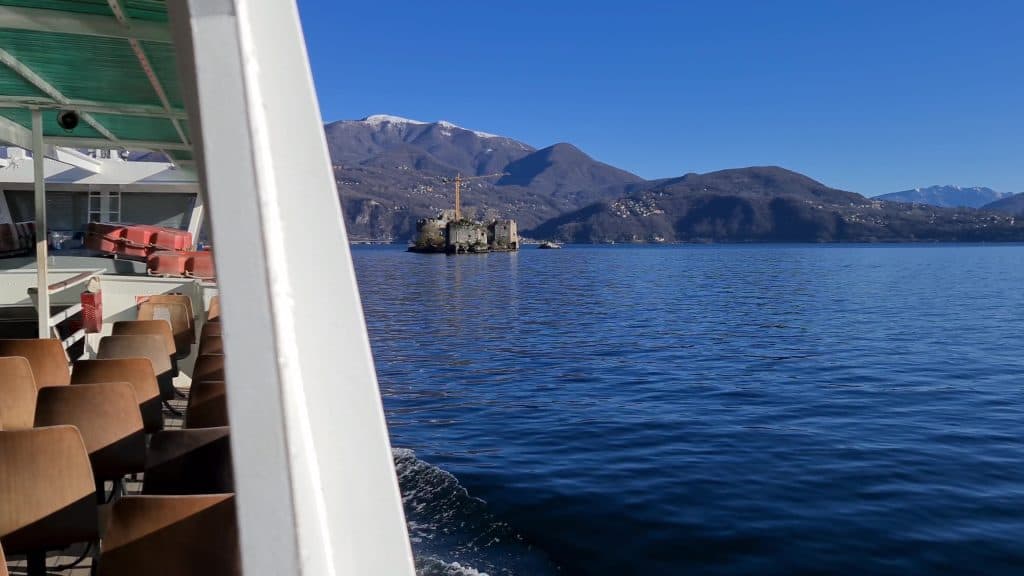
(864, 95)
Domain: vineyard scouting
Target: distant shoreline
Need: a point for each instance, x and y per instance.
(527, 246)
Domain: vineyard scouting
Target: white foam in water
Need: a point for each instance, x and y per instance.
(452, 532)
(437, 567)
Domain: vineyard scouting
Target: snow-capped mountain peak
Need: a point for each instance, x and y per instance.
(948, 196)
(378, 119)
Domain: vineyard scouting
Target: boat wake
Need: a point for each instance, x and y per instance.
(435, 567)
(452, 532)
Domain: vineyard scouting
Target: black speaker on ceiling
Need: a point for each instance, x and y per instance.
(68, 120)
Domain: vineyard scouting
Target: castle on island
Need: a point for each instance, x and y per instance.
(450, 234)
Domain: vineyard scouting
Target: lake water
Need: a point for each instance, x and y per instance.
(706, 409)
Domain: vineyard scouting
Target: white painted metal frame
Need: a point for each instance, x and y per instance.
(56, 289)
(42, 264)
(315, 479)
(41, 20)
(102, 143)
(195, 220)
(178, 188)
(91, 106)
(17, 135)
(140, 54)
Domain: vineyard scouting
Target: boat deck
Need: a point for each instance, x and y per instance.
(76, 260)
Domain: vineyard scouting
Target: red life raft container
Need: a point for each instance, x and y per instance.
(171, 239)
(141, 240)
(200, 265)
(103, 237)
(137, 241)
(167, 263)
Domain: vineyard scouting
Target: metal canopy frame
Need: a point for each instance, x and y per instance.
(316, 486)
(118, 34)
(44, 20)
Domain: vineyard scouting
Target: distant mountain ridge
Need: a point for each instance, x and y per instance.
(947, 196)
(1010, 205)
(392, 171)
(563, 169)
(768, 204)
(436, 144)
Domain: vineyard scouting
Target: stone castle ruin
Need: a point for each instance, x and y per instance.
(444, 233)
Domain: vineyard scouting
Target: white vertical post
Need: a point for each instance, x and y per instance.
(314, 474)
(105, 206)
(39, 172)
(195, 220)
(5, 210)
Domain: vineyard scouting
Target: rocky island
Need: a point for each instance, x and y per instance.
(449, 234)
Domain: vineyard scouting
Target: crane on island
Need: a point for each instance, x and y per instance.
(458, 189)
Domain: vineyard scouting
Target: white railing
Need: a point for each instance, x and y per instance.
(67, 313)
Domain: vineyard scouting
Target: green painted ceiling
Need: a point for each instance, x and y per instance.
(98, 70)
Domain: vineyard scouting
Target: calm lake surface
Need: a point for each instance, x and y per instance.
(706, 410)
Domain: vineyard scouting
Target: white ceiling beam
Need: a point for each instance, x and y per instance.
(15, 134)
(28, 74)
(79, 142)
(183, 187)
(41, 20)
(90, 106)
(74, 158)
(140, 54)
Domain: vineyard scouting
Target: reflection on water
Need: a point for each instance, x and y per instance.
(714, 410)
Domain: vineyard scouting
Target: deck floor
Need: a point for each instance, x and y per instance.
(17, 564)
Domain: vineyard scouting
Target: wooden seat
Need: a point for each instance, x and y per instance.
(151, 347)
(47, 493)
(210, 339)
(195, 461)
(17, 394)
(172, 536)
(177, 317)
(136, 371)
(211, 329)
(211, 345)
(47, 357)
(178, 299)
(108, 417)
(208, 367)
(159, 328)
(207, 405)
(213, 313)
(150, 328)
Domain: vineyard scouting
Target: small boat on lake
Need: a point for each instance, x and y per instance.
(549, 246)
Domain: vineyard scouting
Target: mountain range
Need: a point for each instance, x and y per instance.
(1010, 205)
(770, 204)
(392, 171)
(947, 196)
